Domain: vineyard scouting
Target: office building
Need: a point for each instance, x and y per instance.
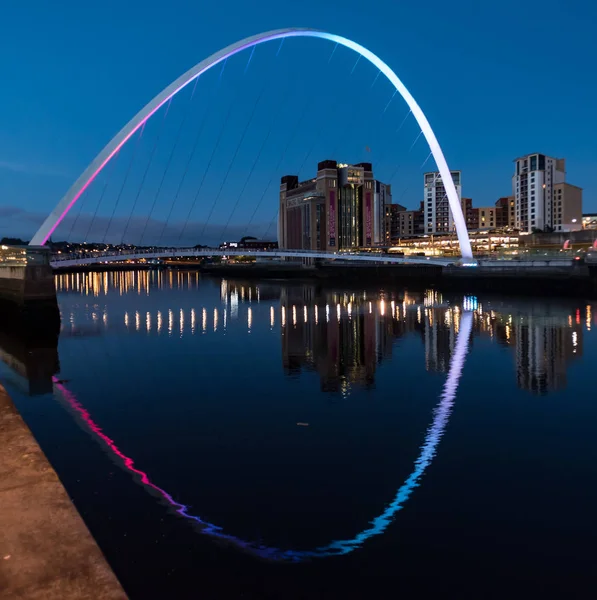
(543, 199)
(342, 207)
(438, 216)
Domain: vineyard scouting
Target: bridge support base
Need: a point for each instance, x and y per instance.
(27, 290)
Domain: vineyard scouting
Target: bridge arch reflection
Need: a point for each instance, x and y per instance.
(377, 525)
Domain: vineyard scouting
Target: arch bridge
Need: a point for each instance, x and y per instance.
(138, 121)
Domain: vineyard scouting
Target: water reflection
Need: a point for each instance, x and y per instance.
(166, 397)
(342, 337)
(346, 352)
(32, 361)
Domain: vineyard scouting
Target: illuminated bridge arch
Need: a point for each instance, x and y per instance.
(102, 159)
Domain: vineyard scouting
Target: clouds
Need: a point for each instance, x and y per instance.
(18, 222)
(32, 169)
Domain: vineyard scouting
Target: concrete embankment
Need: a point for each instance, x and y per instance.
(46, 551)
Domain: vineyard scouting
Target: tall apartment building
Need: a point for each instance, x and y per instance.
(543, 199)
(342, 207)
(438, 216)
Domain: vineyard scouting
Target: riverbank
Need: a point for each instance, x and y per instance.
(46, 550)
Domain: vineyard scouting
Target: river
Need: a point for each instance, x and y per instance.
(237, 439)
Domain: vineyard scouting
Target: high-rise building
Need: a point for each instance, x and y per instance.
(543, 199)
(438, 216)
(342, 207)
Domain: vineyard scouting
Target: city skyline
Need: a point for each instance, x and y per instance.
(34, 172)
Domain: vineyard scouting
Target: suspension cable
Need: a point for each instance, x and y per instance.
(211, 157)
(196, 141)
(111, 167)
(152, 154)
(169, 161)
(128, 170)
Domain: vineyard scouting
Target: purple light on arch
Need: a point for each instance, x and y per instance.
(112, 148)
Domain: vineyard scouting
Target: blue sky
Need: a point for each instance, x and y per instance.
(495, 80)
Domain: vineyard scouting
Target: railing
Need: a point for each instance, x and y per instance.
(98, 257)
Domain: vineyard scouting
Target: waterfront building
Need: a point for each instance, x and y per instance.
(471, 214)
(543, 199)
(392, 221)
(506, 215)
(438, 216)
(487, 217)
(342, 207)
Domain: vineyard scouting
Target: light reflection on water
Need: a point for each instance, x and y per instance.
(178, 378)
(543, 344)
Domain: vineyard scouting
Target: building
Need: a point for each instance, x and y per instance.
(589, 221)
(487, 217)
(382, 199)
(412, 222)
(567, 207)
(471, 214)
(543, 200)
(506, 214)
(438, 216)
(342, 207)
(392, 221)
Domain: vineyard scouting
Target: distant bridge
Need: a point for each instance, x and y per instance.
(93, 258)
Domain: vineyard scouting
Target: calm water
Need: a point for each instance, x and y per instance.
(226, 439)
